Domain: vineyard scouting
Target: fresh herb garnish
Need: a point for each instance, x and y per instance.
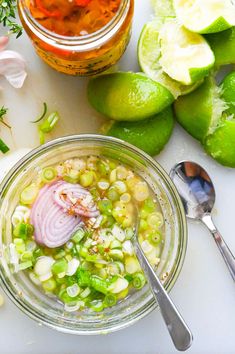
(3, 147)
(7, 16)
(42, 115)
(3, 111)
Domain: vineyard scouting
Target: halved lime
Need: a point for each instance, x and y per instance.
(149, 54)
(223, 46)
(200, 111)
(127, 96)
(150, 135)
(228, 92)
(220, 145)
(185, 56)
(208, 16)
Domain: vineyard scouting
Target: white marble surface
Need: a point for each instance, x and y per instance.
(204, 292)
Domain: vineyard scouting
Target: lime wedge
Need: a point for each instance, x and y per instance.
(208, 16)
(200, 111)
(149, 54)
(223, 46)
(127, 96)
(150, 135)
(185, 56)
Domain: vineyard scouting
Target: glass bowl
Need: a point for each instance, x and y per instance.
(46, 310)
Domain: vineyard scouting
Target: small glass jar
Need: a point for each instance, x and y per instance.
(81, 55)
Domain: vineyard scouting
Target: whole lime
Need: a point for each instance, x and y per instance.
(126, 96)
(150, 135)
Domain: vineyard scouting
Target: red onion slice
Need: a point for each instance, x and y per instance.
(76, 200)
(56, 212)
(53, 227)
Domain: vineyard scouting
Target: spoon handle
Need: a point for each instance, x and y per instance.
(223, 247)
(178, 330)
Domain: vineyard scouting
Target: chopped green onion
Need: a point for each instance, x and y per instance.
(103, 168)
(99, 284)
(25, 265)
(63, 295)
(86, 179)
(29, 194)
(60, 254)
(73, 290)
(59, 266)
(23, 230)
(49, 285)
(155, 238)
(155, 220)
(26, 256)
(83, 277)
(110, 300)
(115, 244)
(116, 255)
(131, 265)
(96, 305)
(105, 206)
(49, 123)
(113, 195)
(149, 205)
(143, 225)
(20, 245)
(48, 174)
(42, 115)
(129, 233)
(78, 236)
(3, 147)
(138, 281)
(85, 293)
(128, 277)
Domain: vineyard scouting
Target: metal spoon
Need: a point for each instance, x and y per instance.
(178, 330)
(198, 196)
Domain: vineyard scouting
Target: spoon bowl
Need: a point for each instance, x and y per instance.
(197, 193)
(195, 188)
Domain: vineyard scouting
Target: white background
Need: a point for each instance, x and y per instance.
(204, 292)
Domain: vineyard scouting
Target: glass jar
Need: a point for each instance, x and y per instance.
(82, 55)
(47, 310)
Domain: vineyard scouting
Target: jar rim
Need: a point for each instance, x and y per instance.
(79, 43)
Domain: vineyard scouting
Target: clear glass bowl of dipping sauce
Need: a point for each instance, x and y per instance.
(48, 311)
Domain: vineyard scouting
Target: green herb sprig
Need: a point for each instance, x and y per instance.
(3, 147)
(8, 9)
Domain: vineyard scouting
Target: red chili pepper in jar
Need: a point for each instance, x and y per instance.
(82, 3)
(46, 12)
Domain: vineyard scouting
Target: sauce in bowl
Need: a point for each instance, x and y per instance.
(72, 230)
